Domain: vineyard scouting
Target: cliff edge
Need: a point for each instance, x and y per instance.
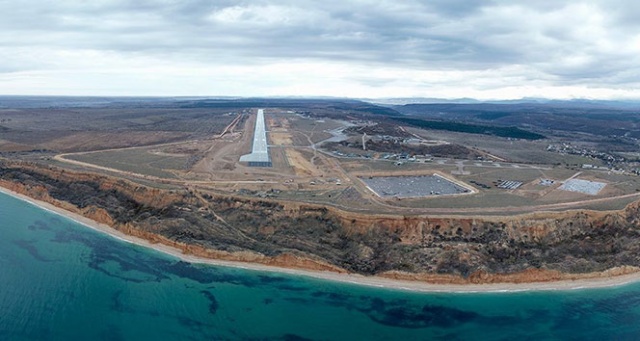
(524, 248)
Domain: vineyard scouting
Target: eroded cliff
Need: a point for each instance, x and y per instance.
(536, 247)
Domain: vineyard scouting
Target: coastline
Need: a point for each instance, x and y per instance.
(371, 281)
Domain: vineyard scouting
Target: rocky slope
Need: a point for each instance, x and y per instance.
(536, 247)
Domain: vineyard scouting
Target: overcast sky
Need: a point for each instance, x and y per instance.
(402, 48)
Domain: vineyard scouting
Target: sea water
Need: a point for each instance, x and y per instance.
(61, 280)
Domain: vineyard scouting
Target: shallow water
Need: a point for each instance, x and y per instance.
(61, 280)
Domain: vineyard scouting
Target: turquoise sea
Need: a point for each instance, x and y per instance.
(62, 281)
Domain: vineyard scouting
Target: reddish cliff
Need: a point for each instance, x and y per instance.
(524, 248)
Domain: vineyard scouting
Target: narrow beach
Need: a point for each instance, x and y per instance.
(344, 278)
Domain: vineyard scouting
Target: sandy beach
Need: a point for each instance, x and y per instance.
(331, 276)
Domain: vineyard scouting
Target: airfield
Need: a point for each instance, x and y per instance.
(309, 162)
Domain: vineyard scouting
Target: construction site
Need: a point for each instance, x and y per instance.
(285, 155)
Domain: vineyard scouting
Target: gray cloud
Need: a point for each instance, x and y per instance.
(594, 43)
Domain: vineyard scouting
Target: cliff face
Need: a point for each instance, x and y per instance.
(451, 250)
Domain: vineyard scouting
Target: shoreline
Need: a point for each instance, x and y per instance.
(370, 281)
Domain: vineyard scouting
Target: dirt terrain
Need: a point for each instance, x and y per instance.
(172, 174)
(307, 168)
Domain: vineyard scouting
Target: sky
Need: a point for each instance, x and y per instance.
(343, 48)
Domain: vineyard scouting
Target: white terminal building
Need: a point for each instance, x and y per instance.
(259, 156)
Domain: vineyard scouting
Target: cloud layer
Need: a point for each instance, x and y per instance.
(438, 48)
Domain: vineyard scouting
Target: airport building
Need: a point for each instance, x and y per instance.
(259, 156)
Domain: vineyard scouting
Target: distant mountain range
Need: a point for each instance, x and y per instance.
(525, 100)
(100, 101)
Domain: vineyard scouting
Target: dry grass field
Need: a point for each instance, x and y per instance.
(137, 160)
(521, 151)
(184, 147)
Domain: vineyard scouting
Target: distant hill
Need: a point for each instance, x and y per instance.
(526, 100)
(509, 132)
(594, 117)
(333, 106)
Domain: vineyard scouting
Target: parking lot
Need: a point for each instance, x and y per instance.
(413, 186)
(582, 186)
